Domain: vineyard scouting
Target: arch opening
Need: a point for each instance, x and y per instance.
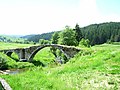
(44, 56)
(9, 53)
(36, 53)
(13, 55)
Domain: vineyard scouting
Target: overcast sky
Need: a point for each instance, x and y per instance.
(22, 17)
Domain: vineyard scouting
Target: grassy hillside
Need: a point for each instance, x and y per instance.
(97, 68)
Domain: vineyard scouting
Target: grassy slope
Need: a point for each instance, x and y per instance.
(97, 68)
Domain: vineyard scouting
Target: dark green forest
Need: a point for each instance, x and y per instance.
(102, 33)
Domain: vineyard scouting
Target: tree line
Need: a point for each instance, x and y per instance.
(92, 34)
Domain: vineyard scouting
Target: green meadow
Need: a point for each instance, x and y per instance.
(13, 45)
(94, 68)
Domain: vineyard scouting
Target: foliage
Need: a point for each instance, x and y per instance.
(67, 37)
(78, 33)
(101, 33)
(9, 63)
(21, 65)
(3, 64)
(42, 41)
(84, 42)
(55, 38)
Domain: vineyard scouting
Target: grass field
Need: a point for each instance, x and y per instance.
(95, 68)
(12, 45)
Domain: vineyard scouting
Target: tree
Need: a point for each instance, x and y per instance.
(78, 33)
(84, 42)
(67, 37)
(3, 62)
(117, 38)
(55, 38)
(42, 41)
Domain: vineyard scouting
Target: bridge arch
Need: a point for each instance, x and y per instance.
(44, 46)
(10, 52)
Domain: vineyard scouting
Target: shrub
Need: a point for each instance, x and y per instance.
(85, 42)
(3, 62)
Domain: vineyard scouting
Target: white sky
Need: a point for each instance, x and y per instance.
(22, 17)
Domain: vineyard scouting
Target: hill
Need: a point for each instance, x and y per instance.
(35, 38)
(14, 39)
(96, 33)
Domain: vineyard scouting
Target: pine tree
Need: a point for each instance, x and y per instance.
(78, 33)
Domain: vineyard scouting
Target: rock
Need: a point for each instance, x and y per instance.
(2, 72)
(5, 84)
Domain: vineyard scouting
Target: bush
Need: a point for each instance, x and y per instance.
(3, 60)
(67, 37)
(84, 42)
(9, 63)
(109, 42)
(21, 65)
(42, 41)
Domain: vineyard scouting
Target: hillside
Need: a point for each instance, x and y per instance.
(95, 68)
(35, 38)
(13, 39)
(96, 33)
(102, 33)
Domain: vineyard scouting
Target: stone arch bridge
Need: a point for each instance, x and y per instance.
(27, 54)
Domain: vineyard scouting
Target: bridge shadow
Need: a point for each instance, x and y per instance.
(37, 63)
